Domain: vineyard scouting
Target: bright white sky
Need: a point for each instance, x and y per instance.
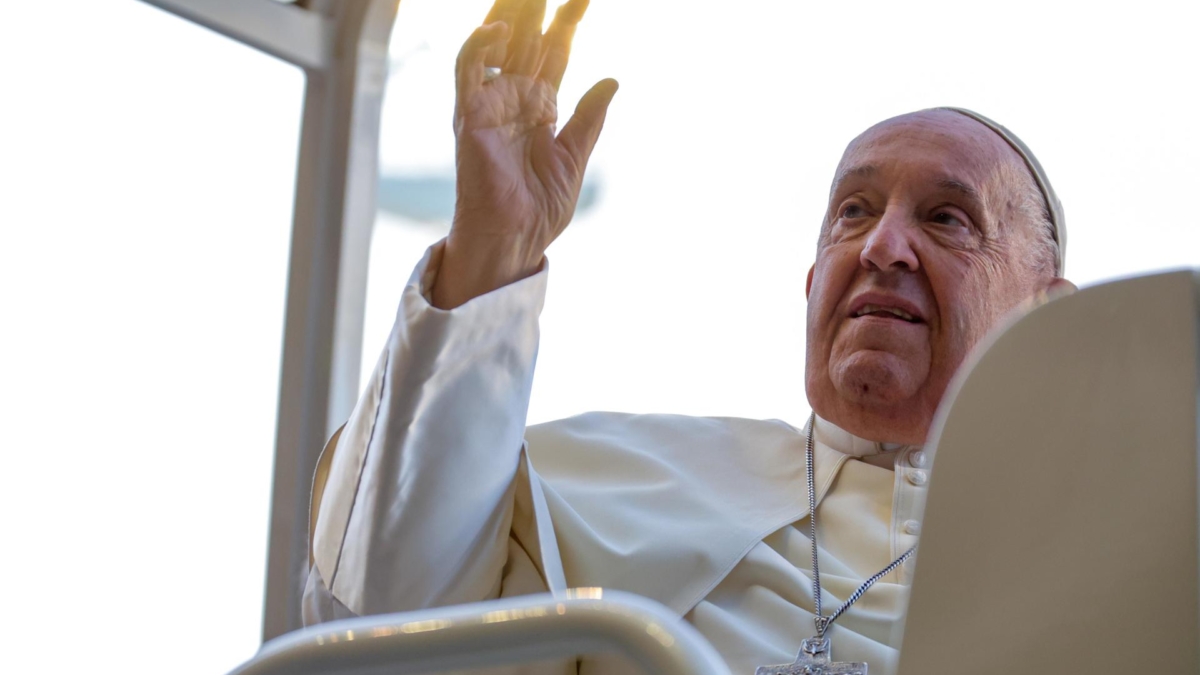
(147, 188)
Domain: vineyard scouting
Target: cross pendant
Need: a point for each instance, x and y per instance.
(815, 658)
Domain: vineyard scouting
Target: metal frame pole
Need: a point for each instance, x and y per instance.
(342, 46)
(289, 32)
(336, 180)
(494, 633)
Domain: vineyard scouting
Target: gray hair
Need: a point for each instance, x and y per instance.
(1029, 203)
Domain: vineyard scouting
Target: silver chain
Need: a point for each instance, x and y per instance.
(824, 622)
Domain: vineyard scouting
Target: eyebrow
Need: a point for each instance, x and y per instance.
(870, 170)
(961, 188)
(860, 171)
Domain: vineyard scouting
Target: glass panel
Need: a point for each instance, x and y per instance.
(148, 179)
(681, 289)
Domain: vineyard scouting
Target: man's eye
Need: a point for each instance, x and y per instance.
(853, 211)
(947, 218)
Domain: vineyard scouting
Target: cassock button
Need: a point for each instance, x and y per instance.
(918, 478)
(917, 459)
(912, 527)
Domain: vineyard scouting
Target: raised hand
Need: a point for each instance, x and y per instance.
(518, 182)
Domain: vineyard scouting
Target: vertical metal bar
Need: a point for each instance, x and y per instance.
(322, 341)
(342, 44)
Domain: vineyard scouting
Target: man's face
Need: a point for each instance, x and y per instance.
(924, 249)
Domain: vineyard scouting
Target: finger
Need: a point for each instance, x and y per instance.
(524, 49)
(505, 11)
(469, 67)
(579, 136)
(556, 44)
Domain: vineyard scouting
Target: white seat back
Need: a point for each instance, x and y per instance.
(1061, 532)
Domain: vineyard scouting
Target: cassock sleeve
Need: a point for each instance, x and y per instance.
(430, 499)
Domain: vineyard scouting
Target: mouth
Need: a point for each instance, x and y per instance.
(893, 309)
(886, 313)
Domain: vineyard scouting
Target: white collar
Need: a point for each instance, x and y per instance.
(847, 443)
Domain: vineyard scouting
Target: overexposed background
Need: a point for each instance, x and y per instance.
(146, 177)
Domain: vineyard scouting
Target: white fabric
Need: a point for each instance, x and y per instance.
(438, 494)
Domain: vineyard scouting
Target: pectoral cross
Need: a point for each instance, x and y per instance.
(815, 658)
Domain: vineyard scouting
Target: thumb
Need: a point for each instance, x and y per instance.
(579, 135)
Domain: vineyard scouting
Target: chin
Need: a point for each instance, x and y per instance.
(874, 379)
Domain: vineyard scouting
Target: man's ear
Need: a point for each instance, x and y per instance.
(1054, 289)
(808, 284)
(1059, 287)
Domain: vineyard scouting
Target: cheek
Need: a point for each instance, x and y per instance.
(972, 292)
(832, 274)
(831, 278)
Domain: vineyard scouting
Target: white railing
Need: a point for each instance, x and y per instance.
(493, 633)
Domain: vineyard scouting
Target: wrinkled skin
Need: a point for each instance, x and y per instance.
(923, 217)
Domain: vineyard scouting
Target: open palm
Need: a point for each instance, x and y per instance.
(517, 179)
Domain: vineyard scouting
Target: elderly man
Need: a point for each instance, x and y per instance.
(435, 493)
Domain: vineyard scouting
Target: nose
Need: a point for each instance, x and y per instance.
(889, 245)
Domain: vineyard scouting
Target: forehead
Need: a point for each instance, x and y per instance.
(934, 145)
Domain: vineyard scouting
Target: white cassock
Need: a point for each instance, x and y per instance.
(435, 493)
